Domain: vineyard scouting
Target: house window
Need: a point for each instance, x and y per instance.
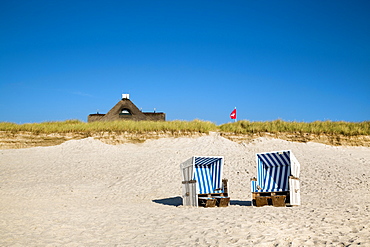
(125, 112)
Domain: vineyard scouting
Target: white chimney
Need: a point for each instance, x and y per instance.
(125, 96)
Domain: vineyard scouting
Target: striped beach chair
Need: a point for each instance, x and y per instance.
(277, 181)
(202, 183)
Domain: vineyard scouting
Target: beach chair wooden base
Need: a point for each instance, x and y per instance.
(278, 201)
(207, 202)
(262, 201)
(222, 201)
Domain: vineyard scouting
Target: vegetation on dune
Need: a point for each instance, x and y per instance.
(239, 127)
(76, 126)
(317, 127)
(53, 133)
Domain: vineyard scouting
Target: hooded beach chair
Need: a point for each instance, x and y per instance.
(277, 181)
(202, 183)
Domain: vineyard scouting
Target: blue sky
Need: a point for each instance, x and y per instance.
(289, 60)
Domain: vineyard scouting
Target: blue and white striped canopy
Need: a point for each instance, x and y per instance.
(273, 171)
(208, 173)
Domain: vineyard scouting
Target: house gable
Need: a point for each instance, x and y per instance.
(126, 110)
(119, 111)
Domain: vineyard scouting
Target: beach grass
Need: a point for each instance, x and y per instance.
(316, 127)
(76, 126)
(14, 135)
(239, 127)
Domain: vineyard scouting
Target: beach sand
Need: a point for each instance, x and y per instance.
(87, 193)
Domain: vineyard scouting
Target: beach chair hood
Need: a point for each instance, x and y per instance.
(201, 175)
(278, 172)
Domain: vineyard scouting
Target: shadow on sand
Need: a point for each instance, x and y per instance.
(172, 201)
(241, 203)
(177, 201)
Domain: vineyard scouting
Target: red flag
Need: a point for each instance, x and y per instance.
(233, 114)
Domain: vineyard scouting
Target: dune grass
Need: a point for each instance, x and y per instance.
(317, 127)
(239, 127)
(76, 126)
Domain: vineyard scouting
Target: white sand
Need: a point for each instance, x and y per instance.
(86, 193)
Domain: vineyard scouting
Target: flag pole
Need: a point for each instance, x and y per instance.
(235, 116)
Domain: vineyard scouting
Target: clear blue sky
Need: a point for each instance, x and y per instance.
(289, 60)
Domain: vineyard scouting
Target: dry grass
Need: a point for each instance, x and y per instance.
(240, 127)
(317, 127)
(75, 126)
(52, 133)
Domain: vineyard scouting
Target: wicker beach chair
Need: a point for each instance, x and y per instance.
(277, 181)
(202, 183)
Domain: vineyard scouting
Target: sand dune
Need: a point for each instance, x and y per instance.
(87, 193)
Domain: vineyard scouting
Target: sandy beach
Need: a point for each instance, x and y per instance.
(87, 193)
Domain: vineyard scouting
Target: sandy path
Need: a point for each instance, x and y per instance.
(86, 193)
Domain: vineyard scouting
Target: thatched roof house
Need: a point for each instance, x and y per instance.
(126, 110)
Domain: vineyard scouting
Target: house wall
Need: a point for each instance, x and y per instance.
(160, 116)
(94, 117)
